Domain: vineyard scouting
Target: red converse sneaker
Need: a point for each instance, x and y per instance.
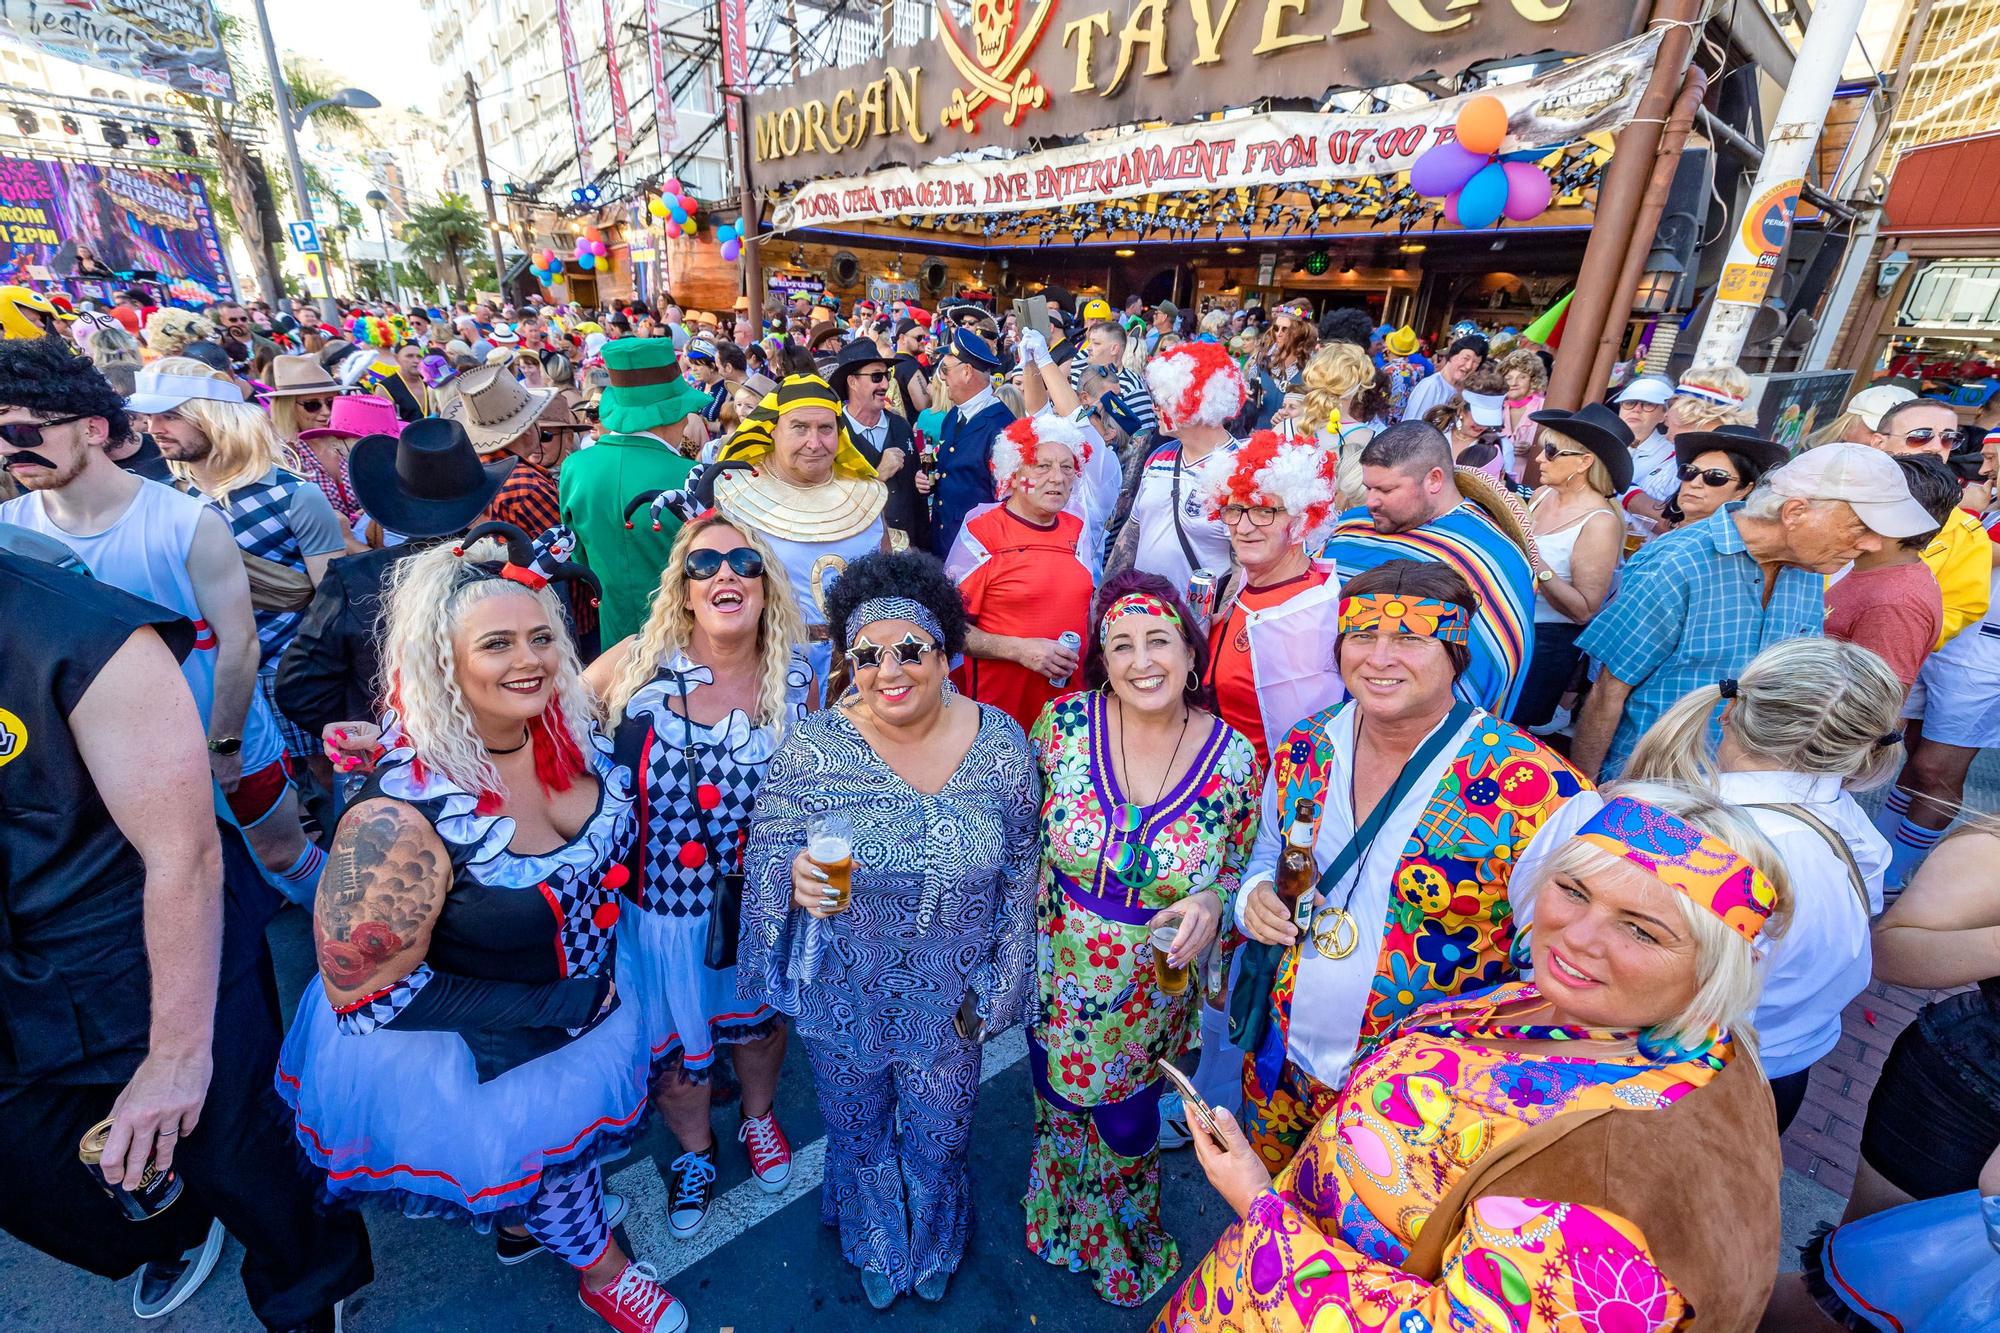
(635, 1303)
(770, 1155)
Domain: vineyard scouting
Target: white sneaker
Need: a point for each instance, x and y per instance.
(163, 1288)
(1173, 1123)
(1557, 725)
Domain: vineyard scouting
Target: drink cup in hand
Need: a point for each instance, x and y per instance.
(1172, 980)
(830, 846)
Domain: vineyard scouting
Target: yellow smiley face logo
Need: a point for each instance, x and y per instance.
(13, 738)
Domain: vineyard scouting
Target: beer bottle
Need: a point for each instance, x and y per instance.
(1296, 871)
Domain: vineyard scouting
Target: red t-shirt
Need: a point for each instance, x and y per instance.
(1229, 657)
(1030, 586)
(1895, 612)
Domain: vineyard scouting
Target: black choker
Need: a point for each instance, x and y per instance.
(526, 736)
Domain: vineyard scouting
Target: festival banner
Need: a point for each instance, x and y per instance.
(621, 111)
(735, 52)
(1585, 97)
(663, 94)
(573, 78)
(131, 219)
(174, 42)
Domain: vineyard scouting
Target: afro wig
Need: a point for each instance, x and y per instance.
(1195, 384)
(1016, 446)
(1347, 326)
(45, 376)
(916, 575)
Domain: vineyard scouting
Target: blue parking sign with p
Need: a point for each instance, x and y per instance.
(305, 236)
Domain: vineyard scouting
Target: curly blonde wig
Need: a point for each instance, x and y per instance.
(1526, 362)
(1335, 374)
(169, 331)
(1686, 413)
(427, 598)
(669, 627)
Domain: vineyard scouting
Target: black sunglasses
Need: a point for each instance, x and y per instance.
(28, 434)
(314, 404)
(872, 376)
(1714, 476)
(909, 650)
(706, 563)
(551, 433)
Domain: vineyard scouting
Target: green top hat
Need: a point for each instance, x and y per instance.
(646, 389)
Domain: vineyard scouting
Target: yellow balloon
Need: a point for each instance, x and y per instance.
(657, 207)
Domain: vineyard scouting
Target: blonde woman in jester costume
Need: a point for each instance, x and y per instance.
(1150, 810)
(1591, 1152)
(1390, 825)
(464, 1049)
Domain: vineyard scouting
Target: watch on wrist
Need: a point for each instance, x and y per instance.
(225, 745)
(1545, 576)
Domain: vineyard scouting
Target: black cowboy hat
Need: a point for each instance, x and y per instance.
(1745, 440)
(1600, 430)
(853, 356)
(427, 483)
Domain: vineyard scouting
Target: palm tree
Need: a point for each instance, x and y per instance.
(440, 233)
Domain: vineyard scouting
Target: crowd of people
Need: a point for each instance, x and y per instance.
(1437, 808)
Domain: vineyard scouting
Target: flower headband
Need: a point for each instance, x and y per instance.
(1424, 617)
(1135, 604)
(1709, 871)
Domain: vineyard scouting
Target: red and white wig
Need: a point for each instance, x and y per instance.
(1195, 384)
(1296, 475)
(1016, 448)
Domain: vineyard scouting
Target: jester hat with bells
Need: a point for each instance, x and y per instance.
(1293, 473)
(1015, 447)
(1195, 384)
(752, 442)
(532, 562)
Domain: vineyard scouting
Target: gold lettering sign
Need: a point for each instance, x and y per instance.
(1052, 75)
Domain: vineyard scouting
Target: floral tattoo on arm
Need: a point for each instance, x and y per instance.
(384, 883)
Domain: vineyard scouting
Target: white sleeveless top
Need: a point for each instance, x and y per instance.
(145, 552)
(1558, 549)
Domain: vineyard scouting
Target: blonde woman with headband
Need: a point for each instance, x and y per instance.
(1809, 723)
(700, 699)
(1707, 397)
(464, 1049)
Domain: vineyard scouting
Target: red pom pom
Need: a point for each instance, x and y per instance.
(606, 915)
(707, 796)
(628, 525)
(458, 550)
(693, 855)
(615, 875)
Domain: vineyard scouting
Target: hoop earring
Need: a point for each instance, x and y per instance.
(1519, 954)
(1193, 681)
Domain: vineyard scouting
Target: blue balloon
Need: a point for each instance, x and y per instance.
(1446, 168)
(678, 214)
(1483, 198)
(725, 233)
(586, 262)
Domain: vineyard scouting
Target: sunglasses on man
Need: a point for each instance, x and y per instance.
(28, 434)
(909, 650)
(1948, 437)
(706, 563)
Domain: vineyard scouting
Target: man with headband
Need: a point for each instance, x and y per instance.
(1402, 812)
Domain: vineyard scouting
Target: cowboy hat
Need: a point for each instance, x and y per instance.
(296, 376)
(494, 407)
(1745, 440)
(861, 352)
(356, 415)
(1600, 430)
(428, 483)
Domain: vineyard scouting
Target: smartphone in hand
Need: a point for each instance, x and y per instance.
(1196, 1107)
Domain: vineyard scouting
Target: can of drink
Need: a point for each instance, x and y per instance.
(155, 1190)
(1201, 596)
(1073, 641)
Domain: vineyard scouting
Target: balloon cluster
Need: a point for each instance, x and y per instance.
(1478, 183)
(547, 267)
(678, 211)
(591, 251)
(731, 236)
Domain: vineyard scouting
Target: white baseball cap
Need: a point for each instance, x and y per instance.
(1873, 402)
(156, 391)
(1867, 479)
(1647, 389)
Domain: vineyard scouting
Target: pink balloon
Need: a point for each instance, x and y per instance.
(1451, 210)
(1529, 191)
(673, 228)
(672, 185)
(1445, 169)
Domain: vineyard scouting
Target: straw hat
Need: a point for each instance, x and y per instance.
(494, 407)
(1499, 504)
(296, 376)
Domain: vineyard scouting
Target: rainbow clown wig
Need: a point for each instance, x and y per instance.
(371, 331)
(1195, 384)
(1016, 447)
(1295, 475)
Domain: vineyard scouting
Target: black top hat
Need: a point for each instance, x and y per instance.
(427, 483)
(853, 356)
(1600, 430)
(1764, 453)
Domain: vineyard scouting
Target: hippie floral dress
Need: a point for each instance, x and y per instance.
(1323, 1249)
(1093, 1200)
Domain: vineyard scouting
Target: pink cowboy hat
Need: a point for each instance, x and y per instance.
(359, 415)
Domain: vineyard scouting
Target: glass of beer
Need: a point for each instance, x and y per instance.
(1172, 980)
(830, 846)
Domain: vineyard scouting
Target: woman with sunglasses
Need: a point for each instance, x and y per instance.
(894, 980)
(700, 698)
(1717, 466)
(1579, 540)
(1150, 813)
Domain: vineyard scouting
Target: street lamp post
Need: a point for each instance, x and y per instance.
(289, 123)
(380, 203)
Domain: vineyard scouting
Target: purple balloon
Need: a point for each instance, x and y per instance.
(1446, 168)
(1482, 199)
(731, 250)
(1529, 191)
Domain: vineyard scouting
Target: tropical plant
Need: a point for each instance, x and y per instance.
(440, 234)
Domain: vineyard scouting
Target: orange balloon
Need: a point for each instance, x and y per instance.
(1482, 124)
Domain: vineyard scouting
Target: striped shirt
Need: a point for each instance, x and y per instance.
(1468, 541)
